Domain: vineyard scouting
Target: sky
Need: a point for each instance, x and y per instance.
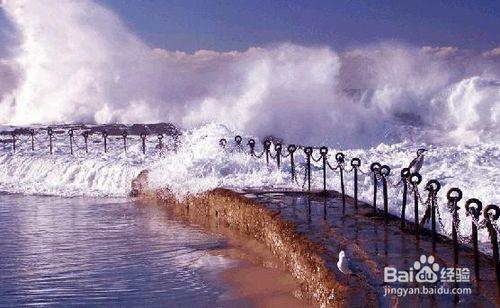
(190, 25)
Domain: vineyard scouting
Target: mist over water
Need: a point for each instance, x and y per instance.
(77, 62)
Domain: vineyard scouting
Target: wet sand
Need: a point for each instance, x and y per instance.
(258, 278)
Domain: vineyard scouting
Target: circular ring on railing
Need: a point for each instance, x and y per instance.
(86, 134)
(405, 173)
(278, 147)
(340, 157)
(415, 178)
(355, 162)
(143, 136)
(292, 148)
(238, 139)
(491, 207)
(456, 191)
(50, 131)
(267, 144)
(222, 142)
(70, 132)
(124, 134)
(160, 136)
(323, 150)
(13, 134)
(375, 167)
(32, 132)
(308, 151)
(433, 185)
(251, 143)
(105, 134)
(385, 170)
(475, 210)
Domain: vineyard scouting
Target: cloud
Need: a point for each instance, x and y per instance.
(440, 51)
(495, 52)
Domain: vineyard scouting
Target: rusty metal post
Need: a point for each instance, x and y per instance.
(475, 213)
(267, 146)
(50, 132)
(493, 237)
(433, 186)
(124, 136)
(291, 150)
(13, 135)
(384, 172)
(238, 140)
(454, 195)
(340, 158)
(308, 151)
(160, 143)
(251, 144)
(143, 138)
(324, 151)
(278, 149)
(85, 135)
(355, 164)
(375, 168)
(415, 179)
(105, 138)
(32, 133)
(70, 134)
(405, 175)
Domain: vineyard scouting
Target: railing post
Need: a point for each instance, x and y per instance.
(124, 136)
(105, 138)
(291, 150)
(50, 132)
(70, 134)
(238, 140)
(355, 164)
(475, 213)
(433, 186)
(324, 151)
(251, 144)
(340, 158)
(143, 138)
(384, 172)
(375, 168)
(13, 135)
(267, 146)
(32, 133)
(454, 195)
(222, 143)
(405, 175)
(493, 237)
(85, 135)
(160, 143)
(278, 148)
(308, 151)
(415, 179)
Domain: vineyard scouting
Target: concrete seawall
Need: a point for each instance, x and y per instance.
(301, 257)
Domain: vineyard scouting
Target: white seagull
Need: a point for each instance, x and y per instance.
(343, 263)
(417, 162)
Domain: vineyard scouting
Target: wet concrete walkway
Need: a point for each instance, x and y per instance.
(372, 243)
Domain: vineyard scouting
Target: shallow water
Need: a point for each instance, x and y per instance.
(81, 251)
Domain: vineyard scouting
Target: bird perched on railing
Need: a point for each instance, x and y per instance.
(417, 162)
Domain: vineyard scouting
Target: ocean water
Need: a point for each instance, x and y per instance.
(104, 252)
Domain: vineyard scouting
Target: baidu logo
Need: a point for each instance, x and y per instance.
(426, 270)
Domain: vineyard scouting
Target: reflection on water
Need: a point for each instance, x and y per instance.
(96, 252)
